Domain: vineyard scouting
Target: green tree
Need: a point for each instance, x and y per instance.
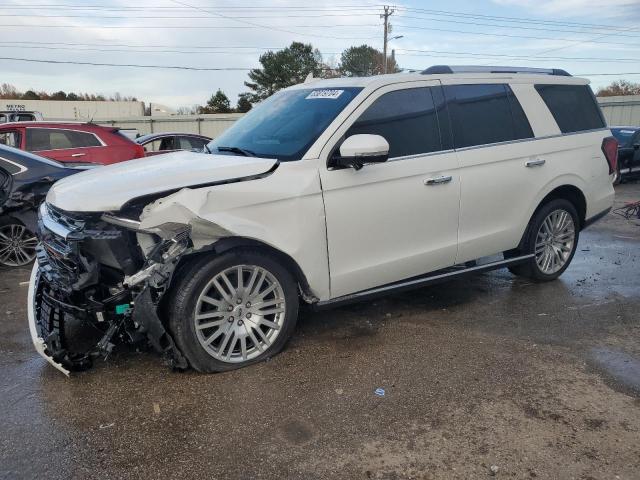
(621, 87)
(59, 96)
(30, 95)
(218, 103)
(72, 96)
(282, 69)
(364, 61)
(244, 105)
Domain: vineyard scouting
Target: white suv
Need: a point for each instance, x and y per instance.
(329, 191)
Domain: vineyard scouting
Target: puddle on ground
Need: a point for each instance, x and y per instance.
(621, 370)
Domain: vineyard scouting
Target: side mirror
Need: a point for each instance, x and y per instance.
(357, 150)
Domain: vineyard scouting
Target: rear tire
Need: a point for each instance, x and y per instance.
(552, 237)
(232, 310)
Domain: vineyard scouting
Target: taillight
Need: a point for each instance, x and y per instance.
(610, 150)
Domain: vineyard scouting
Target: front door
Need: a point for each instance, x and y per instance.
(394, 220)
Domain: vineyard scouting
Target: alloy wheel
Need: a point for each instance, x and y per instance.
(555, 241)
(240, 313)
(17, 245)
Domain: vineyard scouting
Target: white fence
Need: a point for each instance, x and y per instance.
(621, 111)
(209, 125)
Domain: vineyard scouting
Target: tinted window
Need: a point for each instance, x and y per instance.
(168, 143)
(23, 117)
(10, 167)
(189, 143)
(574, 107)
(407, 119)
(11, 139)
(484, 114)
(5, 186)
(54, 139)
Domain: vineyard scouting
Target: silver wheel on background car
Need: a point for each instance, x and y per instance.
(17, 245)
(555, 241)
(239, 313)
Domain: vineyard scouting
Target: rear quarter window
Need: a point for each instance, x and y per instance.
(10, 167)
(574, 107)
(5, 185)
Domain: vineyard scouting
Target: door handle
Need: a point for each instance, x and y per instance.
(438, 180)
(538, 162)
(74, 155)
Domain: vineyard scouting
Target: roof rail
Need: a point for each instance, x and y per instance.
(444, 69)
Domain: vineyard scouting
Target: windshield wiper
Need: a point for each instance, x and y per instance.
(241, 151)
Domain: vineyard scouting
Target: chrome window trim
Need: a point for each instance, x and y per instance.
(418, 155)
(21, 167)
(521, 140)
(102, 144)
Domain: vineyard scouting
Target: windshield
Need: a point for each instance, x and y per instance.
(285, 125)
(623, 135)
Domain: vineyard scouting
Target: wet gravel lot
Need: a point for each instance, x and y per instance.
(484, 376)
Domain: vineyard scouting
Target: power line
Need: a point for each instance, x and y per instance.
(192, 17)
(510, 19)
(520, 27)
(466, 32)
(134, 65)
(535, 57)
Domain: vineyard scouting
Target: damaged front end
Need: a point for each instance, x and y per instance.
(104, 274)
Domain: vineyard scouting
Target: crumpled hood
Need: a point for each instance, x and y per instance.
(108, 188)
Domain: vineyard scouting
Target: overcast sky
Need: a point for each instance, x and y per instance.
(581, 36)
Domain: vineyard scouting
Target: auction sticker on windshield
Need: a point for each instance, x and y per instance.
(332, 94)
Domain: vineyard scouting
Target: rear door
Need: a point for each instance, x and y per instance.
(394, 220)
(490, 131)
(63, 145)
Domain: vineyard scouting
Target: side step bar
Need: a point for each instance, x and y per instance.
(417, 282)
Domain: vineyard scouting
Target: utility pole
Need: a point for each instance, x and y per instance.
(388, 11)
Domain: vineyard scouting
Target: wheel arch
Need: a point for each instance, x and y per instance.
(566, 191)
(242, 243)
(571, 193)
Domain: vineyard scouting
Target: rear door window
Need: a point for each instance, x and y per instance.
(10, 138)
(482, 114)
(407, 119)
(40, 139)
(574, 107)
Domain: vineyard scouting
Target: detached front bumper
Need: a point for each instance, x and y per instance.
(38, 341)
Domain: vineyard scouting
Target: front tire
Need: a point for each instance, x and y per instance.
(552, 237)
(17, 243)
(232, 310)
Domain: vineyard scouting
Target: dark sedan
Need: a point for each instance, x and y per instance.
(24, 182)
(628, 150)
(157, 143)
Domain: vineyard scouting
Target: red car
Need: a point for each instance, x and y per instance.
(75, 143)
